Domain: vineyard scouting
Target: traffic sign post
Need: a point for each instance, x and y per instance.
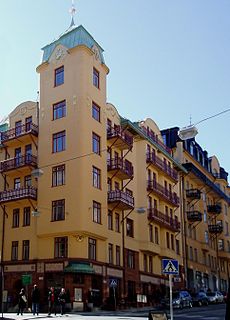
(170, 267)
(113, 284)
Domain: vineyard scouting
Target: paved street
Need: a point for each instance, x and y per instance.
(212, 312)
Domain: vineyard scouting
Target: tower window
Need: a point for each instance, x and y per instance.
(59, 76)
(96, 78)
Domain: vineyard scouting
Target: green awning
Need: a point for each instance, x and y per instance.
(79, 267)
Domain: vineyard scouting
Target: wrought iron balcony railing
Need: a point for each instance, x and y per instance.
(215, 228)
(194, 216)
(29, 128)
(125, 167)
(163, 219)
(121, 198)
(18, 194)
(166, 194)
(17, 162)
(121, 138)
(214, 208)
(193, 193)
(152, 158)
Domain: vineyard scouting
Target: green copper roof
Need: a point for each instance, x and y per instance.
(73, 37)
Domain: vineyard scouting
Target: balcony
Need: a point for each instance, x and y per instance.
(215, 228)
(214, 208)
(18, 194)
(163, 193)
(194, 216)
(121, 199)
(120, 139)
(163, 219)
(20, 131)
(193, 194)
(161, 165)
(122, 168)
(18, 162)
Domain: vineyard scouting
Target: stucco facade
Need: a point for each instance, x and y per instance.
(111, 200)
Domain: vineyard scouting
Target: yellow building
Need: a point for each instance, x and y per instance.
(110, 200)
(78, 224)
(206, 215)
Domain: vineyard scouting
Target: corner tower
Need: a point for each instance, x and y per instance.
(72, 155)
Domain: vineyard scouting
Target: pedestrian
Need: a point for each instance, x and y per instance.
(52, 301)
(35, 297)
(62, 300)
(22, 301)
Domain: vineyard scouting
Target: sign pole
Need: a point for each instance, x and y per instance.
(170, 295)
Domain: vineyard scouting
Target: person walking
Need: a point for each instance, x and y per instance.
(62, 300)
(52, 301)
(22, 301)
(35, 297)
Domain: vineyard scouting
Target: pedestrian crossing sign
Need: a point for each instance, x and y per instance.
(170, 266)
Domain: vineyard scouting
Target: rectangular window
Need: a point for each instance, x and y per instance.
(129, 227)
(110, 220)
(172, 242)
(15, 222)
(18, 128)
(167, 240)
(17, 183)
(28, 152)
(156, 235)
(26, 216)
(145, 263)
(177, 246)
(27, 181)
(59, 76)
(28, 123)
(195, 255)
(96, 177)
(25, 250)
(59, 110)
(96, 78)
(150, 264)
(58, 175)
(96, 212)
(18, 156)
(14, 250)
(111, 253)
(58, 210)
(59, 141)
(92, 249)
(130, 259)
(96, 143)
(150, 233)
(118, 256)
(117, 222)
(61, 247)
(96, 112)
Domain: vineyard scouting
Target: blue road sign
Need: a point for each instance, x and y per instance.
(170, 266)
(113, 283)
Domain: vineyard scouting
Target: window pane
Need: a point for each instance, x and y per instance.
(59, 76)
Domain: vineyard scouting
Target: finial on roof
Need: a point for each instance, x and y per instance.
(72, 12)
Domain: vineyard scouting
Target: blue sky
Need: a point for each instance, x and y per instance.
(168, 59)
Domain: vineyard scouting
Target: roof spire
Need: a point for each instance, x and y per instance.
(72, 11)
